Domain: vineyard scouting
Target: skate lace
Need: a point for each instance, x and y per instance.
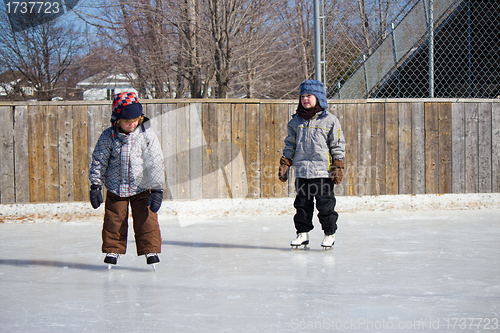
(112, 255)
(151, 255)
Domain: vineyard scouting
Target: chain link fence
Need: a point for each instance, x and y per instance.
(462, 60)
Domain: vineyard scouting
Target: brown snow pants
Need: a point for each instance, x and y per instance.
(115, 227)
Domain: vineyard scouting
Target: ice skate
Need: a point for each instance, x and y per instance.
(302, 239)
(152, 259)
(328, 242)
(111, 259)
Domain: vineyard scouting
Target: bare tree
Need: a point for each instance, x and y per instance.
(40, 54)
(193, 64)
(227, 19)
(365, 24)
(234, 48)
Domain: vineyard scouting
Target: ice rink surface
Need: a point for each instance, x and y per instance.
(435, 271)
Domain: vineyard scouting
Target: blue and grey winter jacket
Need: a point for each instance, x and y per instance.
(313, 144)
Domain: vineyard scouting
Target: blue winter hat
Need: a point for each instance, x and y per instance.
(316, 88)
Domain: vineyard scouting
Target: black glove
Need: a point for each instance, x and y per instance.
(154, 200)
(95, 196)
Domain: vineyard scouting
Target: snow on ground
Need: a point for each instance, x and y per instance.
(195, 210)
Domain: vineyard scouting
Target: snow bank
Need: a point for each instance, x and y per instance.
(213, 208)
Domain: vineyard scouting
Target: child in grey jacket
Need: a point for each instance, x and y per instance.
(315, 147)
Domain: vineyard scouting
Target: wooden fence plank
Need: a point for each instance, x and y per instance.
(405, 151)
(484, 147)
(338, 111)
(106, 116)
(169, 147)
(196, 145)
(391, 148)
(471, 148)
(252, 153)
(154, 113)
(378, 149)
(21, 157)
(431, 147)
(239, 188)
(364, 178)
(94, 127)
(80, 151)
(418, 148)
(7, 193)
(210, 156)
(267, 149)
(495, 147)
(66, 157)
(35, 150)
(458, 147)
(51, 154)
(351, 159)
(224, 148)
(183, 171)
(96, 123)
(106, 111)
(280, 189)
(445, 148)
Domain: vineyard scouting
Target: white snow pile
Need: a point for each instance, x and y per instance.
(213, 208)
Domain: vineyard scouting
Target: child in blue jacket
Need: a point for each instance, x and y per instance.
(315, 147)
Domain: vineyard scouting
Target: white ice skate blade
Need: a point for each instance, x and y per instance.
(154, 267)
(109, 266)
(300, 247)
(327, 248)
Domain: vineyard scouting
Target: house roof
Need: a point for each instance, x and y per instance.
(13, 77)
(107, 81)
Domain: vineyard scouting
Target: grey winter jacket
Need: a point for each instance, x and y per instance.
(313, 144)
(128, 164)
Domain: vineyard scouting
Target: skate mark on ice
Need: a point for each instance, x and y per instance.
(64, 264)
(229, 246)
(222, 245)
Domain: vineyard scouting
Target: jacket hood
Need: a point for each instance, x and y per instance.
(316, 88)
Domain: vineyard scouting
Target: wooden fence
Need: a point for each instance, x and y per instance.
(231, 148)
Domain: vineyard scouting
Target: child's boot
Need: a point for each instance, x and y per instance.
(111, 259)
(328, 242)
(301, 239)
(152, 258)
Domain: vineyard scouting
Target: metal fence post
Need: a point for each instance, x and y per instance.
(431, 48)
(317, 41)
(395, 60)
